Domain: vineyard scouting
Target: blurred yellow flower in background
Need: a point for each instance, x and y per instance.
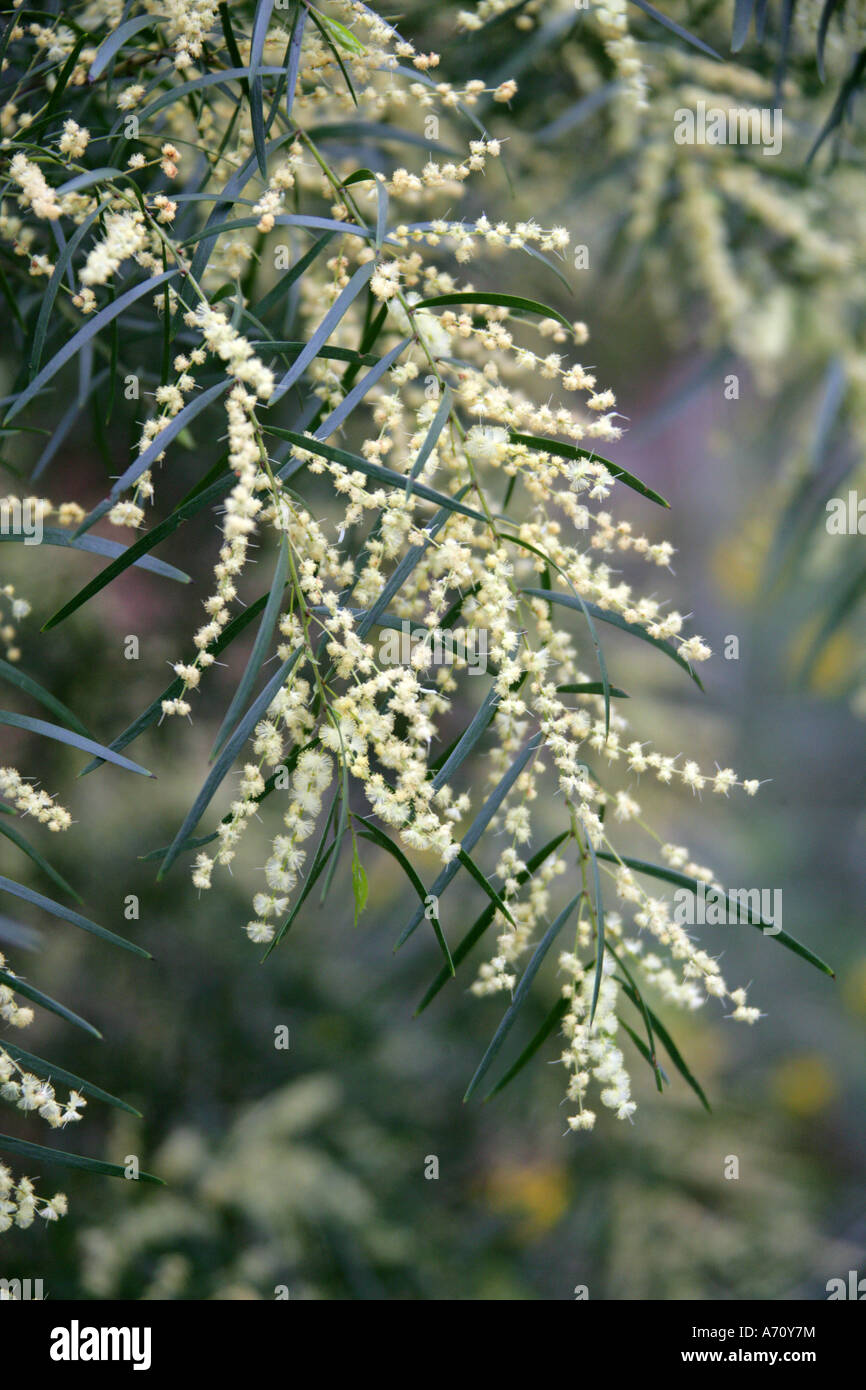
(804, 1085)
(854, 987)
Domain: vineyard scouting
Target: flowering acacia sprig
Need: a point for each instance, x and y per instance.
(416, 449)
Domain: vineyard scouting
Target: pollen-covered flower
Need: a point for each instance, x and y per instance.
(125, 235)
(35, 190)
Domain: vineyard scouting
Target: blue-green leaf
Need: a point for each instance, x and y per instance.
(39, 1154)
(476, 829)
(45, 1001)
(53, 1073)
(32, 687)
(607, 616)
(26, 848)
(260, 648)
(87, 745)
(520, 993)
(84, 335)
(227, 758)
(117, 38)
(66, 914)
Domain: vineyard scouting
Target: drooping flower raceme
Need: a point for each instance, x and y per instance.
(418, 454)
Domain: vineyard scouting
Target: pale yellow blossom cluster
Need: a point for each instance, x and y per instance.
(270, 204)
(189, 23)
(19, 1201)
(487, 10)
(125, 235)
(233, 348)
(18, 609)
(29, 1092)
(611, 16)
(36, 192)
(32, 801)
(592, 1051)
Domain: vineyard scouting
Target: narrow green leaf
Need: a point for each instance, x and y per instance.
(670, 1047)
(479, 927)
(659, 1072)
(260, 648)
(481, 720)
(321, 335)
(591, 688)
(67, 915)
(309, 884)
(371, 831)
(224, 763)
(677, 29)
(64, 75)
(213, 230)
(578, 602)
(46, 1002)
(571, 451)
(85, 335)
(49, 296)
(39, 1154)
(743, 11)
(97, 545)
(284, 284)
(329, 43)
(503, 301)
(520, 994)
(117, 38)
(677, 1059)
(32, 687)
(599, 928)
(294, 63)
(403, 570)
(476, 829)
(54, 731)
(484, 883)
(153, 712)
(836, 606)
(343, 823)
(615, 620)
(644, 1012)
(431, 439)
(389, 476)
(339, 33)
(830, 7)
(291, 348)
(555, 1016)
(26, 848)
(576, 114)
(231, 45)
(90, 177)
(134, 554)
(840, 105)
(383, 134)
(257, 48)
(360, 886)
(53, 1073)
(176, 425)
(358, 392)
(378, 837)
(641, 866)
